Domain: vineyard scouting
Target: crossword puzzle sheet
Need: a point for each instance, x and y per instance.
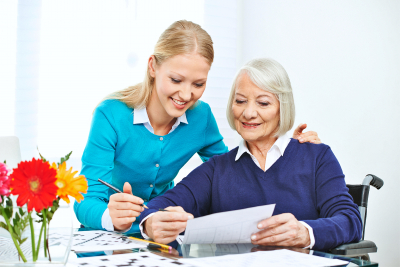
(144, 259)
(86, 241)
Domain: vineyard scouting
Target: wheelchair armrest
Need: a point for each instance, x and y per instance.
(355, 249)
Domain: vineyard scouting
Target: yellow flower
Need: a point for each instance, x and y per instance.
(68, 185)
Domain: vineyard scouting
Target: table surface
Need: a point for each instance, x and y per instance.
(211, 250)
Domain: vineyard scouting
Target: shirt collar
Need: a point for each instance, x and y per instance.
(281, 143)
(142, 117)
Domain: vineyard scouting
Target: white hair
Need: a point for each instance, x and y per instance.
(268, 75)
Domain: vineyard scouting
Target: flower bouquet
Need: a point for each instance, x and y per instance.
(38, 187)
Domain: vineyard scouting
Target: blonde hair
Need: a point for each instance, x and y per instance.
(182, 37)
(270, 76)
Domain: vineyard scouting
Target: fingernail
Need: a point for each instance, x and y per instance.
(190, 217)
(259, 226)
(253, 237)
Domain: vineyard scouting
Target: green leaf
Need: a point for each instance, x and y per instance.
(5, 162)
(21, 211)
(45, 160)
(17, 230)
(8, 211)
(14, 235)
(23, 240)
(4, 226)
(9, 207)
(65, 158)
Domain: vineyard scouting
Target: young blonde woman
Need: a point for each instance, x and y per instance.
(141, 136)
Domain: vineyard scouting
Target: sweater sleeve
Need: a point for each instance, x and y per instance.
(193, 193)
(213, 140)
(339, 218)
(97, 162)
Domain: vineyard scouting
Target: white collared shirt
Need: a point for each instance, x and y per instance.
(140, 116)
(273, 154)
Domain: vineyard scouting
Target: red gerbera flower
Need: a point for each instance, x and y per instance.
(34, 183)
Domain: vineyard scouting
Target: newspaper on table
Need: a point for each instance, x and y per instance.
(276, 258)
(86, 241)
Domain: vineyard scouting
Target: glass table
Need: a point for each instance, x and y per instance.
(215, 250)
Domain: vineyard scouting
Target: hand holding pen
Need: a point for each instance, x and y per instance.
(124, 207)
(164, 226)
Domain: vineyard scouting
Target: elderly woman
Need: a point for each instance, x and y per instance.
(313, 206)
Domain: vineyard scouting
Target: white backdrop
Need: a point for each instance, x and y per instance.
(343, 59)
(59, 59)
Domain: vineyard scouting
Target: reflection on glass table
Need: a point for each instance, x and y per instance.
(215, 250)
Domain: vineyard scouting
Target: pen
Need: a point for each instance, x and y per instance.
(160, 209)
(153, 244)
(116, 190)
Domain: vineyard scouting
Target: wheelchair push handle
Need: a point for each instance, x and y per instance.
(373, 180)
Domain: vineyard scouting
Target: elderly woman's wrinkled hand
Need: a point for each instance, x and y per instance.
(310, 136)
(282, 230)
(164, 227)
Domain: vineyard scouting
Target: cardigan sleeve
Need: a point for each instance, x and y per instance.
(339, 218)
(193, 193)
(97, 162)
(213, 140)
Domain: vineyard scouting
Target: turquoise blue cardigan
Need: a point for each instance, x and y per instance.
(118, 151)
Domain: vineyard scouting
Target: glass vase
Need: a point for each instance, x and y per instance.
(58, 245)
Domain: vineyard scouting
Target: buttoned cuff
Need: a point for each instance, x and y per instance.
(311, 233)
(107, 224)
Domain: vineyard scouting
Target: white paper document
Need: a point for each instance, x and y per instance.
(85, 241)
(144, 259)
(275, 258)
(226, 227)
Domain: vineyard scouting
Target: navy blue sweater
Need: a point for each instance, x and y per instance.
(306, 181)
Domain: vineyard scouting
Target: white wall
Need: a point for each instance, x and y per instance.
(343, 58)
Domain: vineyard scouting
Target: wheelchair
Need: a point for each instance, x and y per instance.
(360, 195)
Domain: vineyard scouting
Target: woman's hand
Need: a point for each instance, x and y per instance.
(124, 208)
(310, 136)
(282, 230)
(164, 226)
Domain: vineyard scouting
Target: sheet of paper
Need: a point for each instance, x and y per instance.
(144, 259)
(276, 258)
(86, 241)
(179, 239)
(226, 227)
(206, 250)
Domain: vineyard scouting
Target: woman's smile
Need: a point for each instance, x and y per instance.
(248, 125)
(178, 104)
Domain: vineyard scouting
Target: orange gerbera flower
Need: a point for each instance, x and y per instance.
(33, 182)
(68, 185)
